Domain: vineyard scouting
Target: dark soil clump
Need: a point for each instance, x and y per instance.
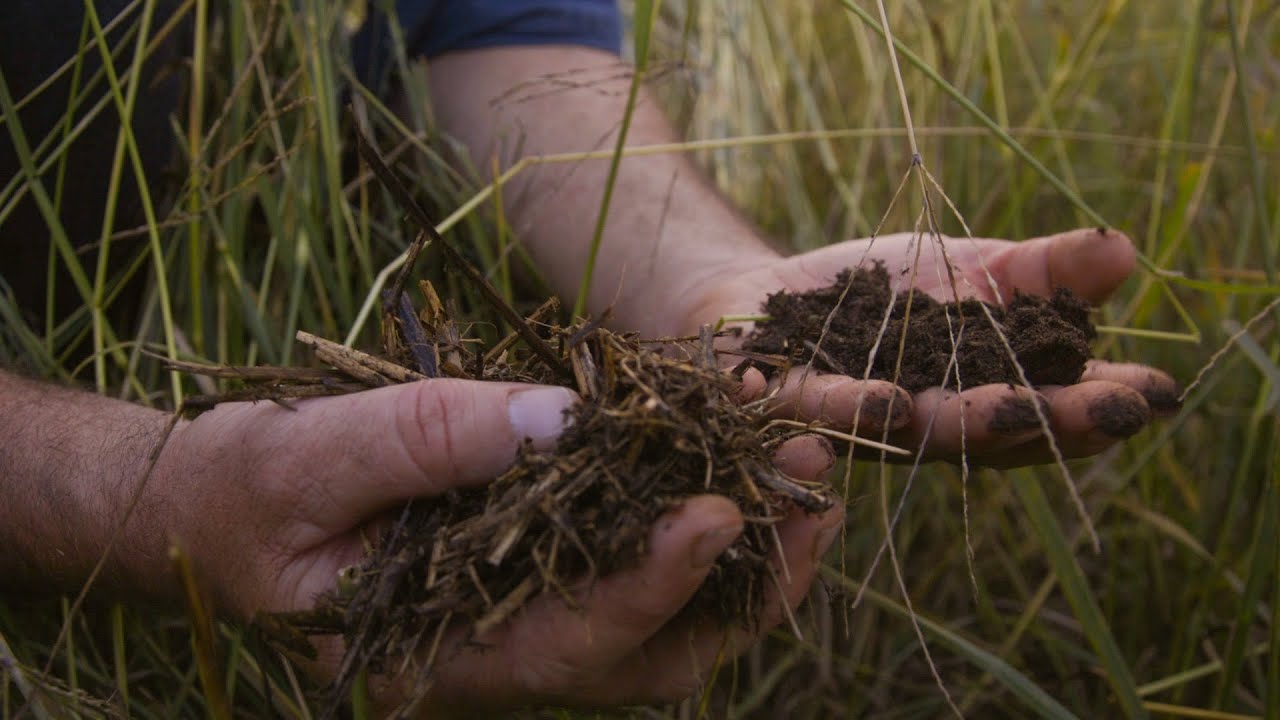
(1050, 336)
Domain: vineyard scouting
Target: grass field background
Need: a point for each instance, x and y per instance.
(1157, 118)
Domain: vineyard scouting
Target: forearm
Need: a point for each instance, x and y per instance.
(667, 230)
(70, 462)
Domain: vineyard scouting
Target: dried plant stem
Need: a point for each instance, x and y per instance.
(373, 371)
(1226, 347)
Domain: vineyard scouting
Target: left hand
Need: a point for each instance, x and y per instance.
(1111, 402)
(272, 503)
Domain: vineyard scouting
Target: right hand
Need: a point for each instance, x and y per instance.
(1111, 402)
(270, 503)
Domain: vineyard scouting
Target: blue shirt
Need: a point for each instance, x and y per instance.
(434, 27)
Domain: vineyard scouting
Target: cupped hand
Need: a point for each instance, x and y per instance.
(1111, 402)
(271, 503)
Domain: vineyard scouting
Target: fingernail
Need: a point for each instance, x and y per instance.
(539, 415)
(830, 453)
(1119, 417)
(711, 543)
(1162, 398)
(1015, 417)
(822, 541)
(880, 410)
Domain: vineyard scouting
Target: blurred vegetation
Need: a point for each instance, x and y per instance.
(1160, 118)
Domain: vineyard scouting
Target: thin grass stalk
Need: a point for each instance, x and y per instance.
(33, 696)
(1257, 185)
(1072, 581)
(1258, 580)
(1043, 112)
(125, 104)
(119, 655)
(1272, 692)
(1021, 686)
(57, 233)
(1084, 54)
(202, 637)
(195, 141)
(98, 310)
(71, 655)
(1026, 156)
(1194, 673)
(996, 68)
(647, 13)
(51, 276)
(502, 232)
(16, 188)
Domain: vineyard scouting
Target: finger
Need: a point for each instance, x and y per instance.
(840, 402)
(977, 421)
(1091, 262)
(806, 458)
(1158, 388)
(752, 387)
(803, 541)
(369, 450)
(550, 649)
(674, 662)
(1090, 416)
(1086, 419)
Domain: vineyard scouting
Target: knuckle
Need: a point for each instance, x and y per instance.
(423, 429)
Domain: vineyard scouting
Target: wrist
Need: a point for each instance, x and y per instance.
(143, 506)
(72, 460)
(692, 297)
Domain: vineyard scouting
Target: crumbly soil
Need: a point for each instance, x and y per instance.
(1049, 336)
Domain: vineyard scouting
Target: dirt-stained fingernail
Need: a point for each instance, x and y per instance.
(1119, 416)
(1016, 417)
(830, 455)
(711, 543)
(1162, 396)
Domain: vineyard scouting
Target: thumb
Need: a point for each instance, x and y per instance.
(423, 438)
(1092, 262)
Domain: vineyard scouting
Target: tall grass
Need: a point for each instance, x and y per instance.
(1156, 118)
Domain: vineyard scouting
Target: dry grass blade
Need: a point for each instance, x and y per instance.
(477, 278)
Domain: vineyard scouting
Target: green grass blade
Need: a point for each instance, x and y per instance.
(1257, 186)
(1018, 149)
(1258, 581)
(1072, 581)
(1273, 659)
(999, 132)
(647, 12)
(124, 98)
(1015, 682)
(118, 654)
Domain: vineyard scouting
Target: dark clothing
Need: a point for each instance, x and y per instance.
(434, 27)
(39, 36)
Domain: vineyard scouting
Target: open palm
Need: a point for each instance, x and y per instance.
(1111, 402)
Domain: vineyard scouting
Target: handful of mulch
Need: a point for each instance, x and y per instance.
(653, 429)
(658, 423)
(837, 327)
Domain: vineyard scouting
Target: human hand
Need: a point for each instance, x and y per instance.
(1111, 402)
(271, 503)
